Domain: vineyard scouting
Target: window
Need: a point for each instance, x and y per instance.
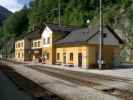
(48, 41)
(22, 44)
(35, 44)
(44, 41)
(58, 56)
(104, 35)
(18, 55)
(71, 56)
(18, 45)
(38, 43)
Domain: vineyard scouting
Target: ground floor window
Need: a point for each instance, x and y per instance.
(58, 56)
(64, 58)
(71, 56)
(18, 55)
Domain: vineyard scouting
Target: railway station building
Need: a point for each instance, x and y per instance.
(69, 46)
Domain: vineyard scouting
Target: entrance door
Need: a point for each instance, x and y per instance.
(79, 59)
(35, 57)
(64, 58)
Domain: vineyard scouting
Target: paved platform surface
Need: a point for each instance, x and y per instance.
(124, 71)
(8, 91)
(63, 88)
(120, 85)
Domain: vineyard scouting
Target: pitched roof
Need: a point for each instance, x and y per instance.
(62, 28)
(36, 33)
(85, 34)
(115, 34)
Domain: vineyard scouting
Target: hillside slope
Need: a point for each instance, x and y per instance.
(3, 14)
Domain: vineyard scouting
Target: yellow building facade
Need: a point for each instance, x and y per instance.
(49, 37)
(84, 56)
(68, 46)
(80, 49)
(21, 50)
(72, 55)
(36, 49)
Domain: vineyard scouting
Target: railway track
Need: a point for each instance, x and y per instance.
(85, 79)
(28, 86)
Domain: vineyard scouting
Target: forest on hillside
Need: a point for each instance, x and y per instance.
(116, 13)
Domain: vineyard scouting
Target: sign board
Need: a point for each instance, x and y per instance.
(36, 51)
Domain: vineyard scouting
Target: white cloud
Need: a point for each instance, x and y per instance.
(12, 5)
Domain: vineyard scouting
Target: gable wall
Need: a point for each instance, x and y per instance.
(110, 39)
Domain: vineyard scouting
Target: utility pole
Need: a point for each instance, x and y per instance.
(100, 61)
(59, 12)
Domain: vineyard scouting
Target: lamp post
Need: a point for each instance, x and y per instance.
(100, 61)
(59, 12)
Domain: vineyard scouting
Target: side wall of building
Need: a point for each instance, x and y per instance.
(22, 50)
(19, 50)
(89, 55)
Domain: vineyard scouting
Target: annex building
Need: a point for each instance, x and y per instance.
(69, 46)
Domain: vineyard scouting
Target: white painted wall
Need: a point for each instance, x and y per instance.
(46, 33)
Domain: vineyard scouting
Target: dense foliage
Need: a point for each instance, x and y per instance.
(3, 14)
(73, 12)
(117, 13)
(17, 23)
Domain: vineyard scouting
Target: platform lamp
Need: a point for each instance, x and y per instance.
(88, 22)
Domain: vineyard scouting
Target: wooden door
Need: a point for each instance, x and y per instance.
(79, 59)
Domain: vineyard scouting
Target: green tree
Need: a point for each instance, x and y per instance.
(42, 11)
(16, 24)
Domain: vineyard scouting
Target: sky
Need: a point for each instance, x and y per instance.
(14, 5)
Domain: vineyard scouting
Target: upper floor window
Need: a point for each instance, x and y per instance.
(22, 44)
(71, 56)
(104, 35)
(18, 45)
(44, 41)
(58, 56)
(35, 44)
(38, 43)
(48, 41)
